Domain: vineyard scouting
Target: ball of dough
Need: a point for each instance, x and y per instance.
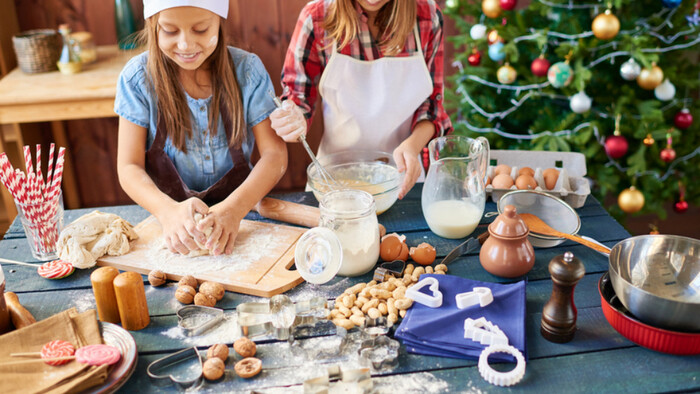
(219, 351)
(213, 368)
(213, 289)
(185, 294)
(204, 300)
(245, 347)
(157, 278)
(248, 367)
(188, 280)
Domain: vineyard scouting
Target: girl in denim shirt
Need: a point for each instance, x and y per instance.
(191, 109)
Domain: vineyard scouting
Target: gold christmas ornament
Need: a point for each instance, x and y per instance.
(506, 74)
(631, 200)
(649, 140)
(650, 78)
(493, 37)
(606, 25)
(491, 8)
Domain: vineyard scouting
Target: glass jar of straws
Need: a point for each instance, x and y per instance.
(42, 222)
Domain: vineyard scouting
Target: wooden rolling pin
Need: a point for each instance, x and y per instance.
(291, 212)
(20, 315)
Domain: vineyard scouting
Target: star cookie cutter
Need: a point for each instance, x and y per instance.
(352, 380)
(196, 319)
(484, 332)
(498, 378)
(481, 296)
(280, 316)
(168, 368)
(389, 269)
(434, 300)
(380, 353)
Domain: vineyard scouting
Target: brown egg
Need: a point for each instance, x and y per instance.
(502, 181)
(550, 177)
(526, 171)
(403, 256)
(390, 248)
(423, 254)
(525, 182)
(488, 181)
(502, 169)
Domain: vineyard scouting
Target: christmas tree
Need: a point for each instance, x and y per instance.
(616, 81)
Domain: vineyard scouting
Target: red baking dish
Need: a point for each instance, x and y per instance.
(660, 340)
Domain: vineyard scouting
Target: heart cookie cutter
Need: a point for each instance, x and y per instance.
(354, 380)
(280, 316)
(389, 269)
(434, 300)
(183, 376)
(381, 353)
(196, 319)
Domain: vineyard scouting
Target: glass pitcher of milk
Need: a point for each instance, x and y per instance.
(453, 196)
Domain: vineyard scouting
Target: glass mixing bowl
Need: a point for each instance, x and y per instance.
(371, 171)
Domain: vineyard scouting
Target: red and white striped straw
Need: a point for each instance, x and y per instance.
(49, 169)
(28, 159)
(39, 176)
(57, 175)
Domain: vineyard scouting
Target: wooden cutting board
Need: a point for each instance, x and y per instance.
(259, 265)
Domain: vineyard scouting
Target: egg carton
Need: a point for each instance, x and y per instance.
(571, 186)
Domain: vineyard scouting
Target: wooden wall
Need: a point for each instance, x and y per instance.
(260, 26)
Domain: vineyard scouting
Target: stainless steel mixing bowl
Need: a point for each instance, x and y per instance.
(657, 277)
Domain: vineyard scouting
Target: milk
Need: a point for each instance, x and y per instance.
(453, 218)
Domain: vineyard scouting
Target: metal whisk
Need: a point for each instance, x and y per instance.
(325, 175)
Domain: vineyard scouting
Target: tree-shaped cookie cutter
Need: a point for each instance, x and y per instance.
(280, 316)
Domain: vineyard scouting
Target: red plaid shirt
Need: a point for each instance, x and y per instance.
(308, 55)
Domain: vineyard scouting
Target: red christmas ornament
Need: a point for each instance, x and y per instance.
(680, 206)
(668, 154)
(475, 58)
(540, 66)
(616, 146)
(683, 119)
(508, 4)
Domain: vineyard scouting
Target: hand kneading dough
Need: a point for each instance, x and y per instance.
(207, 232)
(92, 236)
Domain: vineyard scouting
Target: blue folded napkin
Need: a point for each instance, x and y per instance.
(440, 331)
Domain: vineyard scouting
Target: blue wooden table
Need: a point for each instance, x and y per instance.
(597, 360)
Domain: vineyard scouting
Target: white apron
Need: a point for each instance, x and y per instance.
(369, 105)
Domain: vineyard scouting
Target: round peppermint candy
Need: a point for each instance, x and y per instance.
(98, 355)
(57, 349)
(56, 269)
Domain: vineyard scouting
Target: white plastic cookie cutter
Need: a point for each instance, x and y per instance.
(498, 378)
(484, 332)
(434, 300)
(481, 296)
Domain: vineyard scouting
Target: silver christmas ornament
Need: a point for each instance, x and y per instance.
(666, 91)
(580, 102)
(630, 70)
(477, 31)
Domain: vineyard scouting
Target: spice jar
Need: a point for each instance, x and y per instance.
(507, 252)
(351, 215)
(84, 46)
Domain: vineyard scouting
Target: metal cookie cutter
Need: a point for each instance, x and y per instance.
(481, 296)
(280, 316)
(183, 367)
(484, 332)
(355, 380)
(434, 300)
(195, 319)
(387, 270)
(380, 353)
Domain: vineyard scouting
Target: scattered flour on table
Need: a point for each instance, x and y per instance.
(307, 290)
(84, 301)
(226, 331)
(250, 248)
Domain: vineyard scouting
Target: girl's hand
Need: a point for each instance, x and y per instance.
(224, 224)
(289, 121)
(406, 160)
(179, 228)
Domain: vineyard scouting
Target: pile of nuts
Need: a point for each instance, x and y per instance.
(217, 355)
(373, 300)
(209, 292)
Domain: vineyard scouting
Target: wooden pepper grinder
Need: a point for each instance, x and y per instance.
(102, 287)
(559, 313)
(131, 299)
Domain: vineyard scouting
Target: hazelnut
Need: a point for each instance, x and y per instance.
(204, 300)
(185, 294)
(219, 351)
(245, 347)
(157, 278)
(248, 367)
(213, 368)
(188, 280)
(213, 289)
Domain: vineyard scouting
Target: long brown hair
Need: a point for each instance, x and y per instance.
(397, 17)
(172, 103)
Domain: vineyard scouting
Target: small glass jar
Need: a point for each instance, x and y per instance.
(352, 216)
(84, 46)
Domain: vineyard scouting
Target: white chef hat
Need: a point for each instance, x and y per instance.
(151, 7)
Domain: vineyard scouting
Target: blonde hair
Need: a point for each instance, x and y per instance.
(396, 18)
(172, 103)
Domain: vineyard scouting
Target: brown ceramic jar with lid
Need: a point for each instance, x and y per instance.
(507, 252)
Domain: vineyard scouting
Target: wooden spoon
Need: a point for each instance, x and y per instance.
(536, 225)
